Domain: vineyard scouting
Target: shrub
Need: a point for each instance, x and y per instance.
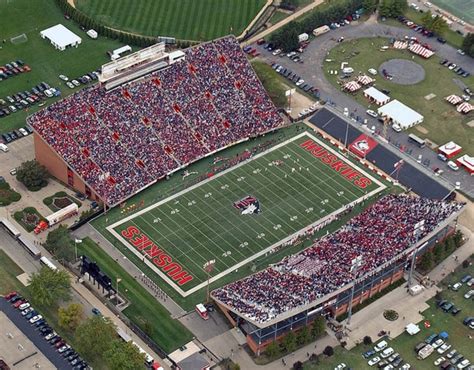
(367, 340)
(328, 351)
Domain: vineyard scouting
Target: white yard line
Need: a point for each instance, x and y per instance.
(183, 293)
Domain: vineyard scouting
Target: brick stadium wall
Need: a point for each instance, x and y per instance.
(56, 166)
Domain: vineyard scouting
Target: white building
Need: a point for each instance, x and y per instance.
(400, 114)
(376, 96)
(60, 37)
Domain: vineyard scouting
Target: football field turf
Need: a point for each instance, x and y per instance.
(243, 213)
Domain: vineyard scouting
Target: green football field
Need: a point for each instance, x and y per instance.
(183, 19)
(242, 213)
(463, 9)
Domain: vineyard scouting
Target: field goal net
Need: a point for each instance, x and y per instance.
(20, 39)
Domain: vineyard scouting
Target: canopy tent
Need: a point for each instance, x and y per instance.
(365, 80)
(450, 149)
(400, 44)
(412, 329)
(420, 50)
(467, 162)
(376, 96)
(60, 37)
(351, 86)
(454, 99)
(399, 113)
(465, 108)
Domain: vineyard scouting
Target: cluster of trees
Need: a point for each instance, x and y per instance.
(440, 251)
(468, 44)
(33, 175)
(60, 244)
(435, 24)
(287, 36)
(392, 8)
(125, 37)
(48, 287)
(291, 341)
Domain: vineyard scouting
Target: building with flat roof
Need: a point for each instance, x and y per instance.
(376, 96)
(400, 114)
(450, 150)
(60, 37)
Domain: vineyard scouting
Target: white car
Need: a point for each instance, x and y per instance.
(443, 348)
(35, 318)
(50, 336)
(341, 366)
(76, 83)
(290, 54)
(396, 128)
(300, 82)
(374, 360)
(276, 52)
(438, 343)
(439, 360)
(27, 311)
(387, 352)
(64, 78)
(406, 366)
(453, 166)
(23, 306)
(12, 108)
(64, 348)
(461, 52)
(463, 364)
(70, 85)
(23, 131)
(372, 113)
(470, 282)
(469, 294)
(452, 66)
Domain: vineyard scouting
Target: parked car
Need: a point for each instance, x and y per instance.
(374, 360)
(372, 113)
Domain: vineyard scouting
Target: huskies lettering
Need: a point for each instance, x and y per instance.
(248, 205)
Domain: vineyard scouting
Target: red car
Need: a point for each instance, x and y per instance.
(9, 295)
(19, 303)
(26, 68)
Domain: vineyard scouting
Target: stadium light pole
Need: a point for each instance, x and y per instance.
(349, 314)
(208, 267)
(417, 231)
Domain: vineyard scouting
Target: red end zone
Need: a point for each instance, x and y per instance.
(363, 145)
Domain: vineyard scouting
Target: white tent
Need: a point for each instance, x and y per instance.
(412, 329)
(376, 96)
(454, 99)
(420, 50)
(352, 86)
(365, 80)
(464, 108)
(399, 113)
(400, 44)
(60, 37)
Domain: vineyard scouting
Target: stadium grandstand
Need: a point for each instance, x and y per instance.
(363, 257)
(112, 143)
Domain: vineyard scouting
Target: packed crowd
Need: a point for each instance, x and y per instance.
(376, 236)
(123, 140)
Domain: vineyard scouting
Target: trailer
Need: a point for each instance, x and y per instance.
(57, 217)
(303, 37)
(425, 351)
(321, 30)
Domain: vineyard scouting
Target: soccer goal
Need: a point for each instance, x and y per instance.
(20, 39)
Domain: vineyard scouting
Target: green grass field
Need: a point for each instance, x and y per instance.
(294, 189)
(47, 63)
(441, 122)
(143, 310)
(463, 9)
(183, 19)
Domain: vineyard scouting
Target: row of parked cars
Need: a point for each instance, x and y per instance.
(295, 78)
(84, 80)
(416, 27)
(38, 322)
(13, 69)
(455, 68)
(385, 357)
(21, 100)
(10, 136)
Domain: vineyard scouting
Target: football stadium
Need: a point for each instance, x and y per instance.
(156, 113)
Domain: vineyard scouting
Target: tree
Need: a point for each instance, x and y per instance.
(124, 356)
(289, 342)
(287, 37)
(449, 246)
(436, 24)
(304, 336)
(71, 316)
(33, 175)
(426, 262)
(298, 365)
(369, 6)
(468, 44)
(273, 349)
(60, 244)
(328, 351)
(438, 253)
(48, 286)
(318, 327)
(457, 239)
(236, 367)
(367, 340)
(94, 337)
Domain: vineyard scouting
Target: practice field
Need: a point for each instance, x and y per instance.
(463, 9)
(183, 19)
(244, 212)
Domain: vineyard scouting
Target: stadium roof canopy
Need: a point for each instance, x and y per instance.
(61, 37)
(401, 114)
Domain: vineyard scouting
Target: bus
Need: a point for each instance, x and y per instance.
(202, 311)
(416, 140)
(29, 246)
(46, 262)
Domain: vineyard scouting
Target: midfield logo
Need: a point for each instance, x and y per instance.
(248, 205)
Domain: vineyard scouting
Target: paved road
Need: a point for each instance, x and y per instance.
(33, 335)
(311, 72)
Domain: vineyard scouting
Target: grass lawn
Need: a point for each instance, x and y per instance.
(7, 194)
(274, 83)
(278, 16)
(47, 63)
(442, 122)
(460, 8)
(60, 200)
(183, 19)
(144, 310)
(9, 270)
(28, 218)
